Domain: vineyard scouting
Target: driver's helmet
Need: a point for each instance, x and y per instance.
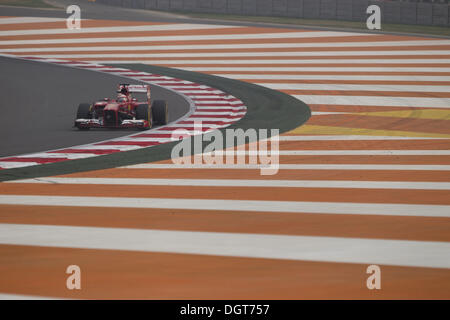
(121, 98)
(124, 90)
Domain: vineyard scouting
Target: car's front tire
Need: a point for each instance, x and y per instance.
(160, 111)
(143, 112)
(84, 112)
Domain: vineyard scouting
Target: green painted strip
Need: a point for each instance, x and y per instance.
(267, 109)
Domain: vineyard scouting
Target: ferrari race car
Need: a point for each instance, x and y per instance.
(123, 112)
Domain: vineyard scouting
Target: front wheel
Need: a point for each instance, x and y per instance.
(160, 111)
(84, 112)
(143, 113)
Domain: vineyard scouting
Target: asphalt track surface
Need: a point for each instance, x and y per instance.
(40, 100)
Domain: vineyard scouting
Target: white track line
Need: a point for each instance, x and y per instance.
(122, 51)
(355, 87)
(21, 20)
(299, 53)
(350, 137)
(396, 167)
(376, 101)
(298, 69)
(319, 113)
(234, 205)
(301, 77)
(187, 58)
(245, 183)
(300, 45)
(335, 152)
(214, 37)
(11, 296)
(429, 254)
(162, 27)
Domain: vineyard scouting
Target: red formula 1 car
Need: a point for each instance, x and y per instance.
(123, 112)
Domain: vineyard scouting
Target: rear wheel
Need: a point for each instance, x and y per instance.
(143, 113)
(84, 112)
(160, 112)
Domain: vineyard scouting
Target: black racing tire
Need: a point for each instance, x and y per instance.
(84, 112)
(160, 112)
(143, 113)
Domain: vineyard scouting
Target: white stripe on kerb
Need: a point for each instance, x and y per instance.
(13, 164)
(49, 155)
(107, 147)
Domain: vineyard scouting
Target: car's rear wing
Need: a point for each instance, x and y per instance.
(135, 88)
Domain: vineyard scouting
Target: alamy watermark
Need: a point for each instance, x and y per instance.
(374, 281)
(73, 282)
(215, 148)
(374, 20)
(73, 22)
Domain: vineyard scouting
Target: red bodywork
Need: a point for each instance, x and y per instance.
(118, 113)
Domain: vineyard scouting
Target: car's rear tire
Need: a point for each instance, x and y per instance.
(143, 113)
(84, 112)
(160, 112)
